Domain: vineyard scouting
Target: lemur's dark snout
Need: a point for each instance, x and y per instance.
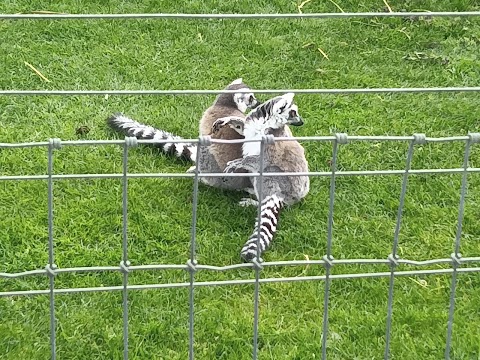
(255, 104)
(298, 121)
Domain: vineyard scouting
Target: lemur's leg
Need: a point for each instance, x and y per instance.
(250, 191)
(233, 165)
(248, 202)
(249, 163)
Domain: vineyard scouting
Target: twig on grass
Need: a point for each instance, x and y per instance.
(388, 6)
(36, 71)
(338, 6)
(323, 53)
(299, 7)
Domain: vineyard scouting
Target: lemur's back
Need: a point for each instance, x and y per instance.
(286, 156)
(223, 153)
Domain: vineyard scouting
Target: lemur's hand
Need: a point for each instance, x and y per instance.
(233, 165)
(217, 125)
(234, 122)
(191, 169)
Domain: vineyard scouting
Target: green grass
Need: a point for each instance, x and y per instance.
(196, 54)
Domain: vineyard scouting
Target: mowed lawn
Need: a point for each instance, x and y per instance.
(208, 54)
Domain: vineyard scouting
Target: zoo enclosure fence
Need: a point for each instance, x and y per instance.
(192, 266)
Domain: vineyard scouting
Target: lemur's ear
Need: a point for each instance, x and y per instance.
(282, 102)
(288, 97)
(237, 82)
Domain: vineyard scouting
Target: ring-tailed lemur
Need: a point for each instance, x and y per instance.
(270, 117)
(214, 158)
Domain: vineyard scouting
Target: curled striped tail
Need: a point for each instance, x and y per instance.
(269, 214)
(130, 127)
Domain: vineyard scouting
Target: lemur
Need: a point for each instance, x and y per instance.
(271, 117)
(214, 158)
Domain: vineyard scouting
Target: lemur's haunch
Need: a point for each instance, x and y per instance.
(212, 159)
(272, 117)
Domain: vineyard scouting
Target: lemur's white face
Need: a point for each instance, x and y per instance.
(245, 100)
(285, 112)
(275, 113)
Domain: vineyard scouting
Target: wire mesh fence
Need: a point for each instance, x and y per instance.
(457, 263)
(456, 260)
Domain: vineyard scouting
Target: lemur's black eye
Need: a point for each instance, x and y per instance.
(292, 113)
(251, 99)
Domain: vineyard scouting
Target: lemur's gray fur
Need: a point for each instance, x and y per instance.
(214, 158)
(271, 117)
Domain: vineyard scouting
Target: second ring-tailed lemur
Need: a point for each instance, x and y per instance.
(271, 117)
(213, 158)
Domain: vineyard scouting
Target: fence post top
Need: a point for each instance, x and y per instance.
(131, 141)
(341, 138)
(268, 139)
(205, 140)
(419, 139)
(55, 143)
(474, 137)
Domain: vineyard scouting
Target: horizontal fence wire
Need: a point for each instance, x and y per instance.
(349, 138)
(238, 141)
(342, 15)
(198, 267)
(346, 276)
(447, 89)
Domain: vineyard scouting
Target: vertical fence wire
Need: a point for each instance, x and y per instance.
(129, 141)
(328, 257)
(393, 256)
(53, 143)
(193, 262)
(456, 255)
(257, 260)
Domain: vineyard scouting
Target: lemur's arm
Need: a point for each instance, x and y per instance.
(235, 122)
(249, 163)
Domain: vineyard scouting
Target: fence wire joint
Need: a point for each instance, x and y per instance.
(55, 143)
(268, 139)
(456, 259)
(393, 259)
(131, 141)
(50, 269)
(192, 265)
(257, 264)
(419, 139)
(205, 140)
(474, 138)
(341, 138)
(124, 266)
(328, 261)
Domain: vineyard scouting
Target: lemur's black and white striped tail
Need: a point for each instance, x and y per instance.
(270, 210)
(130, 127)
